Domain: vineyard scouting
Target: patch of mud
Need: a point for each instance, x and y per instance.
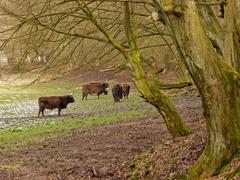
(173, 158)
(94, 152)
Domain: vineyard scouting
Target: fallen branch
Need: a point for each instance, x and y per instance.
(176, 85)
(115, 69)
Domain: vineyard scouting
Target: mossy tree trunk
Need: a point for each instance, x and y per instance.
(221, 103)
(217, 81)
(212, 27)
(232, 33)
(151, 90)
(152, 94)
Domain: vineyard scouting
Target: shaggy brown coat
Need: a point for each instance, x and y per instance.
(94, 88)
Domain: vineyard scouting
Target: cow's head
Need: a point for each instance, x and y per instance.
(70, 99)
(105, 87)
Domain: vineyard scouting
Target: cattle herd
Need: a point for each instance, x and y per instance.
(60, 102)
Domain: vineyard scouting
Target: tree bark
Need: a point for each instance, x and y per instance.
(232, 36)
(221, 104)
(218, 84)
(212, 27)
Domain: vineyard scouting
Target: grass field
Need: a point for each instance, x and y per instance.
(29, 129)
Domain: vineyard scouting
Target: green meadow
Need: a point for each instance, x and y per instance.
(79, 114)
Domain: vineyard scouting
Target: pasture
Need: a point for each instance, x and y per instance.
(96, 138)
(19, 108)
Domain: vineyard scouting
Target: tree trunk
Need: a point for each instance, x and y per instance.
(153, 95)
(212, 27)
(232, 36)
(221, 104)
(151, 91)
(218, 84)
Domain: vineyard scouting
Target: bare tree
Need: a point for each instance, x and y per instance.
(69, 24)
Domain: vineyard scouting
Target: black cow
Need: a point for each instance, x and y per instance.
(125, 90)
(53, 102)
(117, 92)
(94, 88)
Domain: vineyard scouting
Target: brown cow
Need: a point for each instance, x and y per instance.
(125, 90)
(53, 102)
(94, 88)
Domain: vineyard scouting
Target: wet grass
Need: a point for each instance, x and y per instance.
(15, 136)
(79, 114)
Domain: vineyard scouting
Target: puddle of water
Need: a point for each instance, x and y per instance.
(19, 109)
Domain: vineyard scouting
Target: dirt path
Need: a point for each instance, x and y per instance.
(96, 152)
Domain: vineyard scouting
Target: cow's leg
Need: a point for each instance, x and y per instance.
(59, 111)
(84, 95)
(116, 99)
(41, 110)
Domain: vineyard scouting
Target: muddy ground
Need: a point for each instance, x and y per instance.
(104, 151)
(99, 151)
